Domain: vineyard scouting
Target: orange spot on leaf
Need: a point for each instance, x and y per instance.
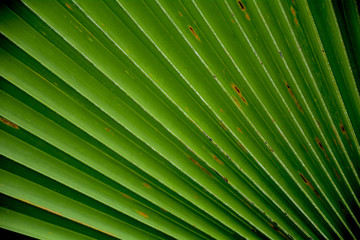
(241, 5)
(9, 123)
(293, 11)
(239, 129)
(126, 196)
(239, 93)
(310, 185)
(194, 33)
(68, 6)
(146, 185)
(337, 174)
(223, 126)
(293, 97)
(343, 131)
(180, 13)
(142, 214)
(201, 167)
(217, 160)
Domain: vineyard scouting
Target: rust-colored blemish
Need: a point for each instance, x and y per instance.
(293, 97)
(274, 226)
(343, 131)
(196, 197)
(180, 14)
(201, 167)
(305, 148)
(217, 160)
(68, 6)
(337, 174)
(242, 7)
(146, 185)
(320, 144)
(293, 11)
(142, 214)
(223, 126)
(46, 209)
(296, 21)
(322, 147)
(107, 129)
(164, 210)
(126, 196)
(309, 184)
(239, 129)
(318, 123)
(237, 102)
(242, 147)
(194, 33)
(335, 141)
(221, 110)
(232, 20)
(239, 93)
(9, 123)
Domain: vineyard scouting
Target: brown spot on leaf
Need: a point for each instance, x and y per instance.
(223, 126)
(9, 123)
(221, 110)
(126, 196)
(146, 185)
(194, 33)
(217, 160)
(68, 6)
(343, 131)
(305, 148)
(320, 144)
(48, 210)
(309, 184)
(242, 147)
(239, 129)
(293, 11)
(296, 21)
(293, 97)
(322, 148)
(239, 93)
(142, 214)
(107, 129)
(180, 14)
(337, 174)
(242, 7)
(201, 167)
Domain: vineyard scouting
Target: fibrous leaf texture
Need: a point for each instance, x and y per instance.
(180, 119)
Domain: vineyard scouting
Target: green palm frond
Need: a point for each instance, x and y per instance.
(180, 119)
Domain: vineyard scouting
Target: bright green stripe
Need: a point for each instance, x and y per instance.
(18, 222)
(25, 190)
